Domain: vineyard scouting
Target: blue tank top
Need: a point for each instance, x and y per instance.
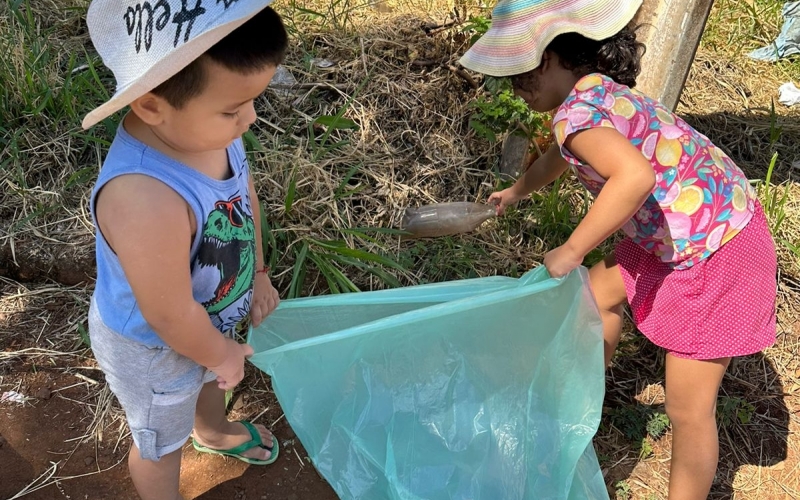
(223, 252)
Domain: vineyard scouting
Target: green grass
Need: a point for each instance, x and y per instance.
(48, 82)
(447, 258)
(774, 198)
(316, 261)
(50, 78)
(83, 334)
(337, 14)
(326, 144)
(739, 27)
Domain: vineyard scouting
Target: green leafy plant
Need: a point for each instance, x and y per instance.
(623, 490)
(476, 27)
(637, 423)
(657, 425)
(733, 410)
(645, 449)
(500, 112)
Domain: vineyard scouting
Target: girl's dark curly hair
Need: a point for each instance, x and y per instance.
(618, 57)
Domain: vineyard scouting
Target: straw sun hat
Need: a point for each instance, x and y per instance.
(522, 29)
(144, 43)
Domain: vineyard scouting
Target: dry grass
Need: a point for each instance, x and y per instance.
(397, 78)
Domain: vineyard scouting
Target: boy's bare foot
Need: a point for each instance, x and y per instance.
(235, 434)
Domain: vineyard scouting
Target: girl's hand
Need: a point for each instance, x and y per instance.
(265, 299)
(231, 371)
(561, 261)
(505, 198)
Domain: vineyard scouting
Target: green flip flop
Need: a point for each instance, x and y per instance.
(236, 452)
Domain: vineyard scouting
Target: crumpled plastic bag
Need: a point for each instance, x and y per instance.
(482, 389)
(282, 81)
(788, 41)
(789, 94)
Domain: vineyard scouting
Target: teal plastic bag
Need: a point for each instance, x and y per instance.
(482, 389)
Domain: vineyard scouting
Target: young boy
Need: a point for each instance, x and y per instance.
(179, 259)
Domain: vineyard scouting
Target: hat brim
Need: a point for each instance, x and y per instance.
(166, 68)
(516, 48)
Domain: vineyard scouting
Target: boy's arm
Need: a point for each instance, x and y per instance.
(542, 172)
(265, 297)
(149, 227)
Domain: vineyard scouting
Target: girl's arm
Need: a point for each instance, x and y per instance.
(542, 172)
(630, 180)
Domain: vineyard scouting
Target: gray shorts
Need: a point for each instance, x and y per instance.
(156, 387)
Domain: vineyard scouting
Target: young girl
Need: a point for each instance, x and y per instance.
(698, 266)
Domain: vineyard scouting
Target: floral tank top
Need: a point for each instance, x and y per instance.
(701, 199)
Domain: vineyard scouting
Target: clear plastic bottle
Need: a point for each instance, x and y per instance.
(443, 219)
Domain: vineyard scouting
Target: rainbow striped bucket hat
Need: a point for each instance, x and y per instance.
(522, 29)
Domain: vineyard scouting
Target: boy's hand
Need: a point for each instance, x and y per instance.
(265, 299)
(503, 199)
(561, 261)
(231, 371)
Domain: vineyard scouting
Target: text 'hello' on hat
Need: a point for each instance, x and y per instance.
(145, 43)
(522, 29)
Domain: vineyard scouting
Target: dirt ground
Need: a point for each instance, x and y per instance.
(68, 439)
(48, 429)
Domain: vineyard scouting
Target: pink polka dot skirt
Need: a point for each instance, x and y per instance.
(723, 306)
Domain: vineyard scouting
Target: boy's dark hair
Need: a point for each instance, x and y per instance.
(618, 57)
(259, 42)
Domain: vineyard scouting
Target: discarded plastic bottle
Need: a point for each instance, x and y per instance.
(444, 219)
